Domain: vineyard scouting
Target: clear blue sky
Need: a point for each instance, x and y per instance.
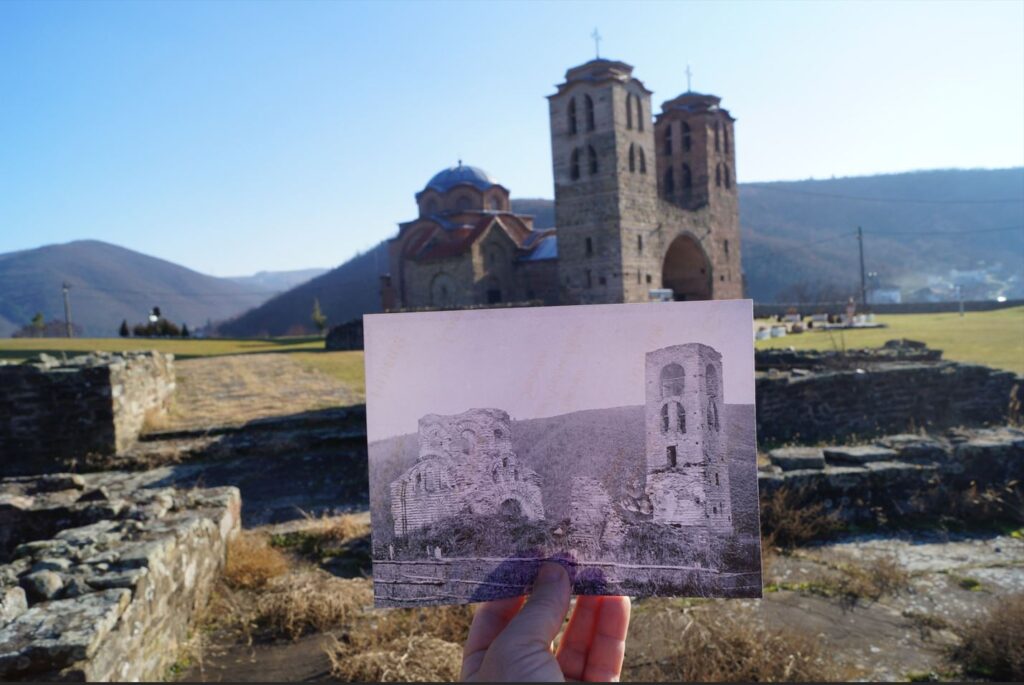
(238, 136)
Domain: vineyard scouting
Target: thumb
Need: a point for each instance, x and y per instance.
(540, 619)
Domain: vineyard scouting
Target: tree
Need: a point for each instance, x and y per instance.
(38, 324)
(123, 331)
(319, 320)
(184, 330)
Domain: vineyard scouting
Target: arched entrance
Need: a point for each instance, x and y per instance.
(686, 271)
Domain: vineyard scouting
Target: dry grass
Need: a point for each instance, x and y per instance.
(719, 642)
(310, 602)
(789, 519)
(872, 580)
(326, 536)
(252, 562)
(993, 646)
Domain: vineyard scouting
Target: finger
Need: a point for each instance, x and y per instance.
(608, 646)
(572, 651)
(541, 617)
(489, 620)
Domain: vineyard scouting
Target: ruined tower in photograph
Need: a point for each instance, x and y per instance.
(684, 415)
(642, 205)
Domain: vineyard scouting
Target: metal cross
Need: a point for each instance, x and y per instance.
(597, 43)
(688, 75)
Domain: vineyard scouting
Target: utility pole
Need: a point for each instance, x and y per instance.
(67, 308)
(863, 280)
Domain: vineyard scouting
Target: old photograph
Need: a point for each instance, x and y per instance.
(616, 439)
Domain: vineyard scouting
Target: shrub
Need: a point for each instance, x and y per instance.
(789, 519)
(993, 646)
(252, 562)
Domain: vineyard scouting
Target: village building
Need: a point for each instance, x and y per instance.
(644, 208)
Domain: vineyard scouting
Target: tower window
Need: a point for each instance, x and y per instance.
(643, 160)
(726, 248)
(713, 415)
(725, 137)
(632, 157)
(716, 480)
(718, 175)
(686, 137)
(572, 117)
(497, 433)
(629, 110)
(664, 418)
(670, 183)
(680, 418)
(714, 510)
(601, 280)
(592, 159)
(718, 147)
(672, 380)
(668, 138)
(648, 279)
(711, 380)
(725, 176)
(590, 112)
(640, 244)
(670, 452)
(687, 177)
(590, 247)
(504, 462)
(574, 165)
(639, 113)
(588, 279)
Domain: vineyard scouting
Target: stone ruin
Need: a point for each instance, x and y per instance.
(466, 464)
(101, 579)
(55, 414)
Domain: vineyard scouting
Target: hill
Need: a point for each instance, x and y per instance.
(109, 284)
(277, 281)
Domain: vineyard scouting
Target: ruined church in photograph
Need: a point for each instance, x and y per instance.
(642, 207)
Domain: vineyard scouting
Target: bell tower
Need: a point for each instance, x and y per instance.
(602, 146)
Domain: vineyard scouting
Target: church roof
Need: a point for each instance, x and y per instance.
(446, 179)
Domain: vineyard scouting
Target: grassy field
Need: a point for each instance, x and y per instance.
(992, 338)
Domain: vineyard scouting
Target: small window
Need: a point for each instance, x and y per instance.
(670, 452)
(718, 176)
(640, 244)
(725, 137)
(629, 110)
(680, 418)
(648, 279)
(716, 480)
(664, 418)
(643, 161)
(714, 510)
(515, 475)
(574, 165)
(504, 462)
(592, 158)
(590, 112)
(718, 147)
(497, 433)
(496, 203)
(639, 113)
(686, 137)
(590, 247)
(588, 279)
(670, 183)
(687, 177)
(726, 248)
(725, 176)
(572, 117)
(668, 138)
(601, 280)
(632, 158)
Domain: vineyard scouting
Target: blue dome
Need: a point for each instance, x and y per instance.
(445, 180)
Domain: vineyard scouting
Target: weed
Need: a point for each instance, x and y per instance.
(789, 518)
(993, 646)
(252, 562)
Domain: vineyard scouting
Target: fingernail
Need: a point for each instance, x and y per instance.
(550, 572)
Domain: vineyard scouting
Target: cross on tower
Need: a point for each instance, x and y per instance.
(597, 43)
(688, 75)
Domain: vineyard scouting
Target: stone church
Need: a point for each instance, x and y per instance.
(641, 205)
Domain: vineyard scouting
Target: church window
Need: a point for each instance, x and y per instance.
(648, 279)
(592, 159)
(725, 176)
(590, 112)
(574, 165)
(632, 157)
(670, 452)
(496, 203)
(572, 117)
(725, 137)
(686, 137)
(601, 280)
(672, 380)
(718, 176)
(463, 203)
(718, 147)
(668, 138)
(711, 380)
(687, 177)
(639, 113)
(680, 418)
(419, 481)
(590, 246)
(726, 244)
(643, 161)
(640, 244)
(589, 282)
(629, 110)
(670, 183)
(664, 418)
(504, 462)
(716, 480)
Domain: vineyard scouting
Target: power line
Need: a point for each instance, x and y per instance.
(862, 198)
(970, 230)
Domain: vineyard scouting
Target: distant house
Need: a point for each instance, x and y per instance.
(885, 294)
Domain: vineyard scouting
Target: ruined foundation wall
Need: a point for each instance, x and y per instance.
(54, 413)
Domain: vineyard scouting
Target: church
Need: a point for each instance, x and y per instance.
(645, 208)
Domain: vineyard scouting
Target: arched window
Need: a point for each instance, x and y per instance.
(431, 206)
(725, 137)
(640, 249)
(680, 418)
(718, 148)
(463, 202)
(716, 480)
(670, 182)
(495, 203)
(672, 380)
(629, 110)
(687, 177)
(664, 418)
(632, 157)
(574, 165)
(639, 113)
(643, 160)
(725, 176)
(686, 137)
(718, 175)
(592, 159)
(713, 414)
(590, 247)
(590, 112)
(572, 117)
(504, 462)
(711, 380)
(497, 434)
(668, 138)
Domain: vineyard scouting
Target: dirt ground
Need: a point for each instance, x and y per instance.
(298, 464)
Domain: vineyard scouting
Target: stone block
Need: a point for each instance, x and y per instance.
(858, 454)
(797, 458)
(12, 604)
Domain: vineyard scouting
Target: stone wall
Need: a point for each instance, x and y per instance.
(103, 580)
(898, 475)
(55, 413)
(807, 405)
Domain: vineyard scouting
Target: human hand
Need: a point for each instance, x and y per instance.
(510, 639)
